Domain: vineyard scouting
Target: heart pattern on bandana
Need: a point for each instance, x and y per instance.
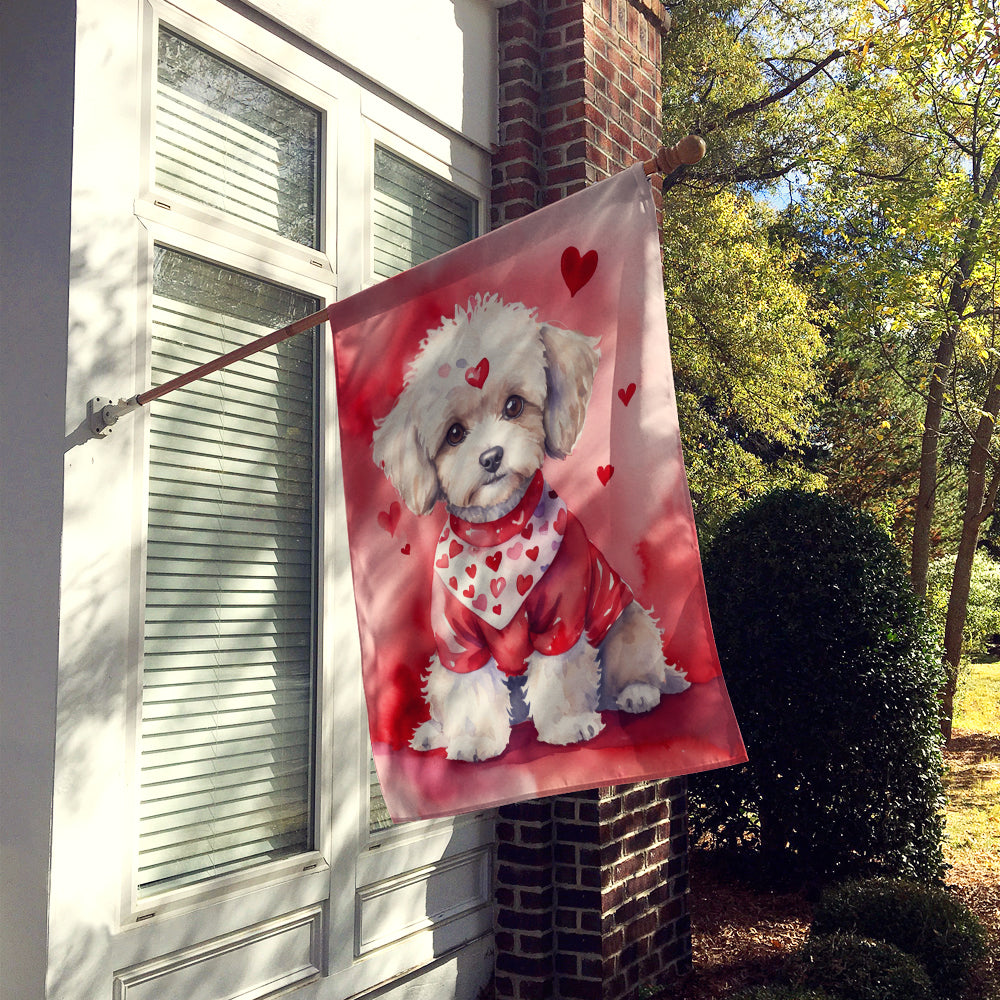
(498, 579)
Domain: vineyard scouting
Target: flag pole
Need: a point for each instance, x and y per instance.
(103, 413)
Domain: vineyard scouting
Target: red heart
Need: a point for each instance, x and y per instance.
(532, 553)
(497, 586)
(528, 530)
(560, 524)
(604, 473)
(469, 591)
(524, 584)
(390, 518)
(493, 561)
(453, 583)
(577, 270)
(625, 395)
(455, 548)
(471, 571)
(476, 377)
(405, 549)
(497, 609)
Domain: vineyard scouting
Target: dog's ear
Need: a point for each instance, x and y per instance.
(570, 365)
(397, 449)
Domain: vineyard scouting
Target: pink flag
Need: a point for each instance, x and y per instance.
(528, 585)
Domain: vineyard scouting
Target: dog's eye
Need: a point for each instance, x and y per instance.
(513, 408)
(455, 435)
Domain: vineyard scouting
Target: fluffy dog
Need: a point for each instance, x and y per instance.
(529, 618)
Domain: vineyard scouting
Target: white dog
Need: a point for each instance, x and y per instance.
(529, 618)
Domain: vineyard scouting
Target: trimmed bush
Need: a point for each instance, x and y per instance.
(833, 672)
(856, 968)
(925, 922)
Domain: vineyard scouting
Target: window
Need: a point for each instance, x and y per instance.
(229, 646)
(227, 140)
(228, 679)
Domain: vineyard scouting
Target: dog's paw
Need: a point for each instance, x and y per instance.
(428, 736)
(638, 698)
(571, 728)
(674, 680)
(476, 748)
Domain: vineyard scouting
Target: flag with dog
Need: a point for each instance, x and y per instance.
(526, 571)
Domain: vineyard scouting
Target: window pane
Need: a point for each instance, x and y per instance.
(228, 140)
(416, 216)
(228, 657)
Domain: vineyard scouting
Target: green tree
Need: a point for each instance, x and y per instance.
(747, 358)
(911, 187)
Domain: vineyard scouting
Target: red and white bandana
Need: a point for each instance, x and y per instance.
(492, 568)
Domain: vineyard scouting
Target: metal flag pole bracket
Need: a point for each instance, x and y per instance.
(103, 413)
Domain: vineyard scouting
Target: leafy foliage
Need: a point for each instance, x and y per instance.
(983, 613)
(746, 353)
(832, 669)
(856, 968)
(924, 921)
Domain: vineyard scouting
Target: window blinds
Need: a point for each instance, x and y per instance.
(227, 681)
(415, 216)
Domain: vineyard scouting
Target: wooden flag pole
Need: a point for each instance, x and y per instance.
(103, 413)
(687, 152)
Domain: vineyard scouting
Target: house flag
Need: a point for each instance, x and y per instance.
(528, 586)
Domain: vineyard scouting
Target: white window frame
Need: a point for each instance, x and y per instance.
(350, 874)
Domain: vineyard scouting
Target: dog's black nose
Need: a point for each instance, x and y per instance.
(491, 458)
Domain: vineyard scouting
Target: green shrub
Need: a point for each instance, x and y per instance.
(925, 922)
(833, 672)
(856, 968)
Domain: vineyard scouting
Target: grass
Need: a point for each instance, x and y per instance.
(973, 784)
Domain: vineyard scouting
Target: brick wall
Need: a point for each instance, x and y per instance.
(579, 96)
(591, 888)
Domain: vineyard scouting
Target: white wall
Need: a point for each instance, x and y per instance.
(71, 294)
(416, 50)
(36, 108)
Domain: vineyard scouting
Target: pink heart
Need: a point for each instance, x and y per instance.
(476, 377)
(497, 586)
(389, 519)
(626, 394)
(480, 603)
(604, 473)
(515, 551)
(577, 270)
